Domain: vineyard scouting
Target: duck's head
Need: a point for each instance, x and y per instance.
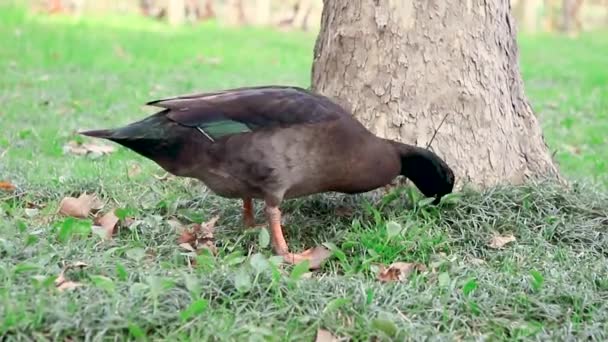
(431, 175)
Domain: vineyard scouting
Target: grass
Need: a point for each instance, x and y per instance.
(62, 74)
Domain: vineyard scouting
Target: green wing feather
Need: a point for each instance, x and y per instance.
(220, 128)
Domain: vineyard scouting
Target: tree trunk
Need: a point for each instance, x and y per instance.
(55, 6)
(566, 17)
(404, 66)
(299, 20)
(234, 13)
(526, 14)
(551, 9)
(176, 12)
(263, 9)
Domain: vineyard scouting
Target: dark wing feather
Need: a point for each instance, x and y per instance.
(240, 110)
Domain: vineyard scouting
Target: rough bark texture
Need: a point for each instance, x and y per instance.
(526, 14)
(176, 12)
(401, 66)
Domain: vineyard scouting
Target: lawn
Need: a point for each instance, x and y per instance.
(61, 75)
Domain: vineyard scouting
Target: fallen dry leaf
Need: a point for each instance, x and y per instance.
(79, 207)
(344, 211)
(68, 285)
(573, 149)
(120, 52)
(325, 336)
(187, 247)
(108, 222)
(7, 186)
(199, 236)
(499, 241)
(31, 212)
(398, 271)
(315, 256)
(62, 283)
(167, 176)
(476, 261)
(134, 170)
(86, 148)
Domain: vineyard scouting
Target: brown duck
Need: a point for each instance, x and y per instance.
(274, 143)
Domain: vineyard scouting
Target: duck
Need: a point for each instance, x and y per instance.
(273, 143)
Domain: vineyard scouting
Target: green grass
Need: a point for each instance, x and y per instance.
(61, 75)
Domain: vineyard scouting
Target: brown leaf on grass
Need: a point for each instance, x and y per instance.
(315, 256)
(199, 236)
(573, 149)
(68, 285)
(209, 60)
(398, 271)
(74, 147)
(134, 170)
(499, 241)
(7, 186)
(325, 336)
(344, 211)
(476, 261)
(187, 247)
(167, 176)
(120, 52)
(108, 222)
(62, 283)
(79, 207)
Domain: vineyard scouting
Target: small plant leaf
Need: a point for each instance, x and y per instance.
(121, 272)
(263, 238)
(135, 253)
(425, 202)
(335, 304)
(103, 282)
(136, 331)
(443, 279)
(393, 229)
(259, 263)
(537, 280)
(196, 308)
(299, 269)
(242, 280)
(385, 326)
(71, 227)
(193, 285)
(469, 286)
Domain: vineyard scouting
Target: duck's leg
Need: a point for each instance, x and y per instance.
(314, 255)
(248, 218)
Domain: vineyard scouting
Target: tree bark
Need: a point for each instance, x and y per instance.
(234, 13)
(263, 9)
(404, 66)
(176, 12)
(526, 14)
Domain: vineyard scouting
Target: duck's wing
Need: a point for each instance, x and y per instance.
(240, 110)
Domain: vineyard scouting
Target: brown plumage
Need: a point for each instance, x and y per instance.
(275, 143)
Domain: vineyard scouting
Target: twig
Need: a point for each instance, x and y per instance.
(436, 130)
